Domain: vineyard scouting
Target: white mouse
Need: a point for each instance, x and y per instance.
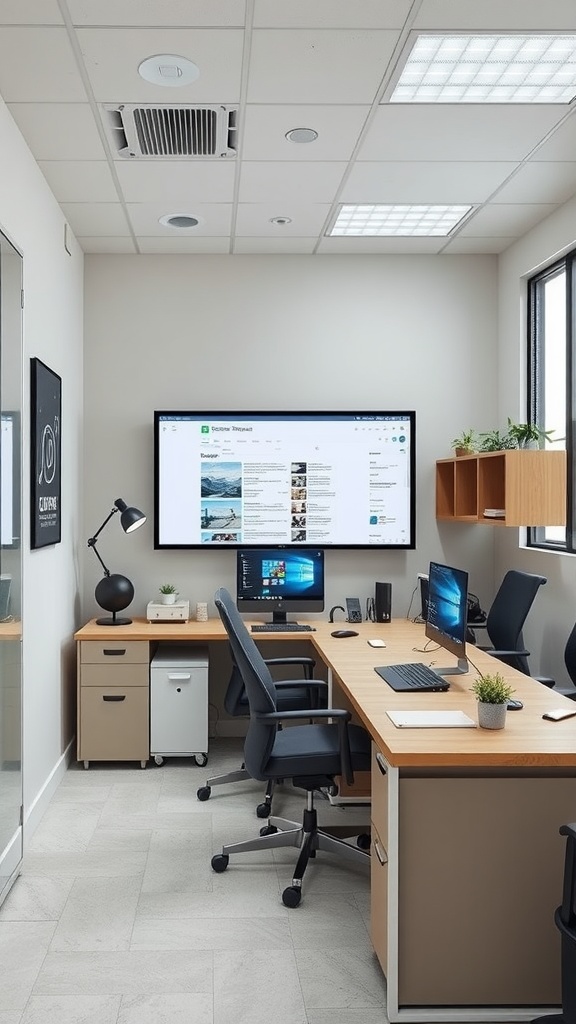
(376, 642)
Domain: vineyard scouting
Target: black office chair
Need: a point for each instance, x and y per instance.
(507, 616)
(312, 755)
(570, 663)
(293, 695)
(565, 920)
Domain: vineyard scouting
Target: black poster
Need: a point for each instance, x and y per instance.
(46, 406)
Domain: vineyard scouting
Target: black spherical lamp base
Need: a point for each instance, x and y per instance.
(114, 593)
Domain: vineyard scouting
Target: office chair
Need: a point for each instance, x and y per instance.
(565, 921)
(312, 755)
(507, 616)
(570, 663)
(293, 695)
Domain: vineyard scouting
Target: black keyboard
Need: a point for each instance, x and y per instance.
(282, 627)
(412, 677)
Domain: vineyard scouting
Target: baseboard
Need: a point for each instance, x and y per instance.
(33, 814)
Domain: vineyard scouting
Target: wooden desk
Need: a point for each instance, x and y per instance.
(467, 861)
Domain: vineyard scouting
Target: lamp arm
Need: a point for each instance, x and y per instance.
(92, 540)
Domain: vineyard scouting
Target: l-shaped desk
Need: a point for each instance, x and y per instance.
(467, 862)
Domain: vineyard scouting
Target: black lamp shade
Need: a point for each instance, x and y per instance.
(130, 518)
(114, 593)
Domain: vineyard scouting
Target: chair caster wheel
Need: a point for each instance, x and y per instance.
(201, 760)
(363, 841)
(263, 810)
(291, 896)
(220, 862)
(204, 792)
(268, 830)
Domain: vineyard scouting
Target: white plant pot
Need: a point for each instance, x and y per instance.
(492, 716)
(168, 598)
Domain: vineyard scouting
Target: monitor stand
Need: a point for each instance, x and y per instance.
(461, 668)
(279, 618)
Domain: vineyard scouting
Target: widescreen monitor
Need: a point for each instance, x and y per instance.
(279, 581)
(447, 613)
(319, 479)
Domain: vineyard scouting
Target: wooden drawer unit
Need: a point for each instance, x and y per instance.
(379, 899)
(113, 701)
(379, 815)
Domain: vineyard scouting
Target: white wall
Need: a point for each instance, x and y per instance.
(294, 332)
(52, 322)
(554, 612)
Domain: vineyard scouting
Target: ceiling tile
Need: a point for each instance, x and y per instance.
(512, 15)
(211, 246)
(310, 183)
(106, 244)
(80, 181)
(504, 220)
(112, 57)
(215, 219)
(456, 132)
(265, 128)
(96, 218)
(317, 66)
(38, 64)
(176, 182)
(30, 12)
(59, 131)
(255, 219)
(331, 13)
(278, 246)
(156, 12)
(462, 245)
(377, 246)
(562, 143)
(538, 182)
(424, 182)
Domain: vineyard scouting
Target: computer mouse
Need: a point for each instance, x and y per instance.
(344, 632)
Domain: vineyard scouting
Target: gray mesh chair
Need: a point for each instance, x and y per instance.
(507, 616)
(293, 694)
(312, 755)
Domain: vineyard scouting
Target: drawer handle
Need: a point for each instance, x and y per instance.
(381, 763)
(380, 852)
(114, 696)
(180, 675)
(114, 654)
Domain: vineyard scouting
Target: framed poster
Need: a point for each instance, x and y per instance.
(46, 407)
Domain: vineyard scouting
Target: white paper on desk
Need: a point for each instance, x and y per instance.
(431, 720)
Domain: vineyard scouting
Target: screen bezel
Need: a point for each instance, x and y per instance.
(279, 607)
(409, 415)
(433, 632)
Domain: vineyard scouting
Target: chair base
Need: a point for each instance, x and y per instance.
(262, 810)
(306, 837)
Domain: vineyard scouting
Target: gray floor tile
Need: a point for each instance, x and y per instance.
(99, 915)
(135, 840)
(178, 1008)
(93, 864)
(65, 827)
(338, 978)
(220, 933)
(10, 1017)
(130, 974)
(347, 1016)
(330, 921)
(241, 997)
(75, 1009)
(36, 898)
(23, 946)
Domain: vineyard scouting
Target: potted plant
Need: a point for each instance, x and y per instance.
(528, 435)
(465, 443)
(169, 593)
(492, 693)
(494, 441)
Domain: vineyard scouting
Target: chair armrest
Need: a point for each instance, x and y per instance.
(307, 664)
(342, 716)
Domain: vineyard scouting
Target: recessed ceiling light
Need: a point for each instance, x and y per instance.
(489, 69)
(179, 221)
(168, 69)
(399, 220)
(302, 135)
(280, 220)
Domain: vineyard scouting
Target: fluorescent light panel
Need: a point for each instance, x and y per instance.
(405, 219)
(489, 69)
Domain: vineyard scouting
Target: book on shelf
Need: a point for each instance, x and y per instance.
(495, 513)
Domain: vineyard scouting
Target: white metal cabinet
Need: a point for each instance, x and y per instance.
(179, 703)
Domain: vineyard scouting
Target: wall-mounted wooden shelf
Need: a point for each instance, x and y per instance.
(530, 487)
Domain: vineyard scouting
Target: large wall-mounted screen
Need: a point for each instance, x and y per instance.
(340, 480)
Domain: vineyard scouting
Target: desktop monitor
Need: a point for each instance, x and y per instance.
(447, 613)
(280, 581)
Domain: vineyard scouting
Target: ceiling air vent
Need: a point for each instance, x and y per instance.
(180, 131)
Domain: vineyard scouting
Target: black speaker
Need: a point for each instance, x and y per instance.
(383, 602)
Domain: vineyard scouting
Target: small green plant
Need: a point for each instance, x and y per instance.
(494, 441)
(492, 689)
(465, 442)
(526, 433)
(168, 588)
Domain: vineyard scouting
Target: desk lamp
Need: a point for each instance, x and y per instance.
(115, 592)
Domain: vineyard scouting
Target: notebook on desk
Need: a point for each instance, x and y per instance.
(431, 720)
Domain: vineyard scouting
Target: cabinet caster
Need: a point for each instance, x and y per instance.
(220, 862)
(143, 764)
(204, 792)
(291, 896)
(201, 760)
(158, 759)
(86, 765)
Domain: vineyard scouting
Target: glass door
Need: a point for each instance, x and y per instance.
(10, 564)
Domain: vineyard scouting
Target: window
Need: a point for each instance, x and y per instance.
(552, 401)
